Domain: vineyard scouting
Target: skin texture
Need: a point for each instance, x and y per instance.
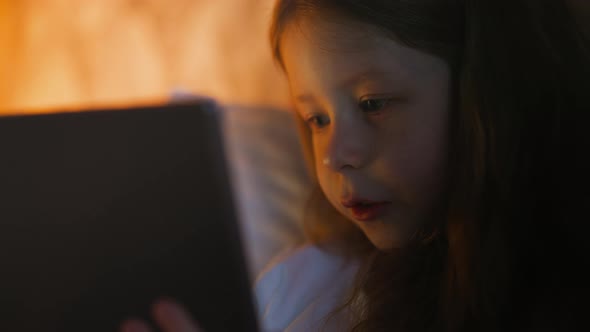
(378, 116)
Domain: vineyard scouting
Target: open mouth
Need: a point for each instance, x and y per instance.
(367, 211)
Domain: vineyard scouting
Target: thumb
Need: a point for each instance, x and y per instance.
(173, 317)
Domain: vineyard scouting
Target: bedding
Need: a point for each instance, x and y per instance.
(270, 180)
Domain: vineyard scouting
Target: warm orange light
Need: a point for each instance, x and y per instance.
(80, 54)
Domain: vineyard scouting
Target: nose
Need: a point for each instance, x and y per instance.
(350, 144)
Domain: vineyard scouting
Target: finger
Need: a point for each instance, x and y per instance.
(135, 325)
(172, 317)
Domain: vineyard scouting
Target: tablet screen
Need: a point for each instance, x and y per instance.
(103, 212)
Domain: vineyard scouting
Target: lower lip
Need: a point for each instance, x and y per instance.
(369, 212)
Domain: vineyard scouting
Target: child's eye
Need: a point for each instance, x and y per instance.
(373, 105)
(318, 121)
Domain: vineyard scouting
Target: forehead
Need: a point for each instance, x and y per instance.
(337, 49)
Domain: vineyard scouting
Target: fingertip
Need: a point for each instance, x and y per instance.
(172, 316)
(134, 325)
(163, 307)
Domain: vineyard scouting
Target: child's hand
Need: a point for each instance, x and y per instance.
(170, 317)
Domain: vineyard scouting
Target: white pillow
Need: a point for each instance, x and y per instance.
(270, 180)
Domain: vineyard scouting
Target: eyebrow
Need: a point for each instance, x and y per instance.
(307, 98)
(366, 75)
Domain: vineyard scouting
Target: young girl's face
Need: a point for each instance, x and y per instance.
(378, 113)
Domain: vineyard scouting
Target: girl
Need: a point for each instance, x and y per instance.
(445, 138)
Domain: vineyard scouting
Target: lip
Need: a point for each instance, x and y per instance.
(366, 210)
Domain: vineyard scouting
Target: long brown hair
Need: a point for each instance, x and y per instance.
(520, 74)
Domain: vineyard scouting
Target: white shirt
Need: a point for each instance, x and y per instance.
(302, 289)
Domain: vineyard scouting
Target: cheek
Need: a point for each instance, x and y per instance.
(325, 178)
(321, 171)
(425, 165)
(427, 138)
(319, 145)
(417, 162)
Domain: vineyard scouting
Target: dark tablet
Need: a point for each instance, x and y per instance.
(102, 212)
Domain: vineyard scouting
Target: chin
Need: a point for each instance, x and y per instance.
(386, 240)
(383, 243)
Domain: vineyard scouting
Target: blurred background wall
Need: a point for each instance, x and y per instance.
(87, 52)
